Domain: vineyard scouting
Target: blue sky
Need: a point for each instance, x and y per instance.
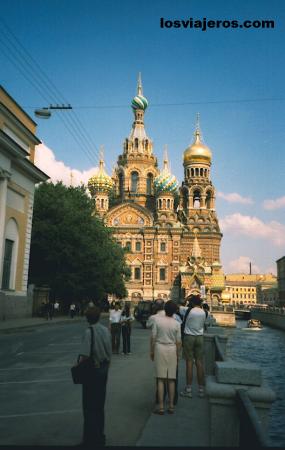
(92, 52)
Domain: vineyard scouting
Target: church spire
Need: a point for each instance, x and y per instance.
(140, 89)
(196, 251)
(165, 159)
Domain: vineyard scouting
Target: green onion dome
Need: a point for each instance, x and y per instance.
(139, 102)
(101, 182)
(165, 181)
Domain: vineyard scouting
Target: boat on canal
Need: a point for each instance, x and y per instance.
(254, 324)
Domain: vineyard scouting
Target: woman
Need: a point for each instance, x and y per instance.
(164, 351)
(126, 322)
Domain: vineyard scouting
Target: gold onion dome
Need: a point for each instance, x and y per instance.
(101, 182)
(197, 151)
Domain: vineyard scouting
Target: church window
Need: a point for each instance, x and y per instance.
(168, 203)
(192, 172)
(196, 199)
(162, 274)
(146, 144)
(196, 172)
(128, 246)
(149, 183)
(121, 185)
(138, 246)
(163, 246)
(134, 181)
(201, 172)
(102, 203)
(137, 273)
(136, 143)
(208, 200)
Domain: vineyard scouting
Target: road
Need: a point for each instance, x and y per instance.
(39, 404)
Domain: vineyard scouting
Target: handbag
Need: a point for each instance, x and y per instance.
(82, 372)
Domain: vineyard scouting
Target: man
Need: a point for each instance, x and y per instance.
(193, 345)
(94, 391)
(115, 327)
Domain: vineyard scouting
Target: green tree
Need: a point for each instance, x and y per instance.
(71, 250)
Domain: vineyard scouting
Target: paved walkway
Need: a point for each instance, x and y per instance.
(190, 424)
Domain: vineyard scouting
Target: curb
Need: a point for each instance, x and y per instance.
(59, 322)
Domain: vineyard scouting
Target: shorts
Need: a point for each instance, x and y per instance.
(193, 347)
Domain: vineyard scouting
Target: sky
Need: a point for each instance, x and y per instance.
(88, 54)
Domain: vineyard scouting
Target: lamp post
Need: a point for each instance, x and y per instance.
(45, 112)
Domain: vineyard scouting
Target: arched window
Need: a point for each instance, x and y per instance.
(201, 172)
(208, 200)
(102, 203)
(149, 183)
(136, 143)
(196, 199)
(192, 172)
(134, 181)
(196, 172)
(146, 144)
(168, 203)
(121, 185)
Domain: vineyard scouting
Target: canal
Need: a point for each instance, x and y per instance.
(265, 348)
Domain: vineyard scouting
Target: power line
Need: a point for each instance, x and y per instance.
(42, 84)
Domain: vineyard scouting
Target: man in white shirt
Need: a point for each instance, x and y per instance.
(193, 344)
(115, 327)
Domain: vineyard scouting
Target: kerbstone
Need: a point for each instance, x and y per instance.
(233, 372)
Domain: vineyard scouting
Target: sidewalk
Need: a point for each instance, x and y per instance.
(189, 426)
(29, 322)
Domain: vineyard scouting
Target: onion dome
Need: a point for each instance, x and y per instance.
(165, 181)
(197, 152)
(101, 182)
(139, 101)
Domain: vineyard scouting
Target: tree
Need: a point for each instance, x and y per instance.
(71, 250)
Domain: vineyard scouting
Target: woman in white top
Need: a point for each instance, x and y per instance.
(164, 351)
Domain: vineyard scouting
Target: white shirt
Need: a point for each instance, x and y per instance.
(166, 330)
(115, 316)
(56, 305)
(195, 321)
(154, 317)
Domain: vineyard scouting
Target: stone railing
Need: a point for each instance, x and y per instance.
(239, 399)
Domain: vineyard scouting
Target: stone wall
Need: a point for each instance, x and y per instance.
(15, 306)
(224, 318)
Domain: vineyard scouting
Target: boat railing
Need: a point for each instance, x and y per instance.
(250, 431)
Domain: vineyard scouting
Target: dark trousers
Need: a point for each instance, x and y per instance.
(116, 336)
(126, 334)
(93, 401)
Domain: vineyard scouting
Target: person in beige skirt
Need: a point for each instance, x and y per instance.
(164, 351)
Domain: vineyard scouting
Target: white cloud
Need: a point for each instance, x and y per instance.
(241, 265)
(57, 171)
(254, 228)
(274, 204)
(233, 197)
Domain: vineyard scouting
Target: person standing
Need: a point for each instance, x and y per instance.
(126, 323)
(72, 309)
(56, 308)
(164, 351)
(94, 391)
(115, 327)
(193, 344)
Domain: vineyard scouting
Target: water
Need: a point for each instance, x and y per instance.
(266, 349)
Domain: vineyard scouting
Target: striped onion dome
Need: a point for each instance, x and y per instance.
(139, 102)
(101, 182)
(165, 181)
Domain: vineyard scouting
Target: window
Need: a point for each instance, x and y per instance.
(163, 246)
(137, 273)
(121, 185)
(149, 182)
(162, 274)
(138, 246)
(128, 246)
(134, 181)
(7, 263)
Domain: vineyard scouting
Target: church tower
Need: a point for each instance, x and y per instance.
(137, 166)
(100, 187)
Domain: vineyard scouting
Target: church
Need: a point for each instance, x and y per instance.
(171, 233)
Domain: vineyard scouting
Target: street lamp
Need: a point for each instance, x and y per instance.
(45, 112)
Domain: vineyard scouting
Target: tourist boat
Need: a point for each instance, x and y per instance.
(254, 324)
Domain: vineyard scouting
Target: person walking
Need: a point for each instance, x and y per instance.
(72, 309)
(193, 344)
(56, 308)
(115, 327)
(164, 351)
(126, 323)
(94, 391)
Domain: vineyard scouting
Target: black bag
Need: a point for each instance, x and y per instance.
(82, 372)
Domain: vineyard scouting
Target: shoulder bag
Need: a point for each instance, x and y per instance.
(82, 372)
(184, 323)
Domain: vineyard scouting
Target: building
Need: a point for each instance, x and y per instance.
(241, 288)
(281, 280)
(171, 232)
(18, 176)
